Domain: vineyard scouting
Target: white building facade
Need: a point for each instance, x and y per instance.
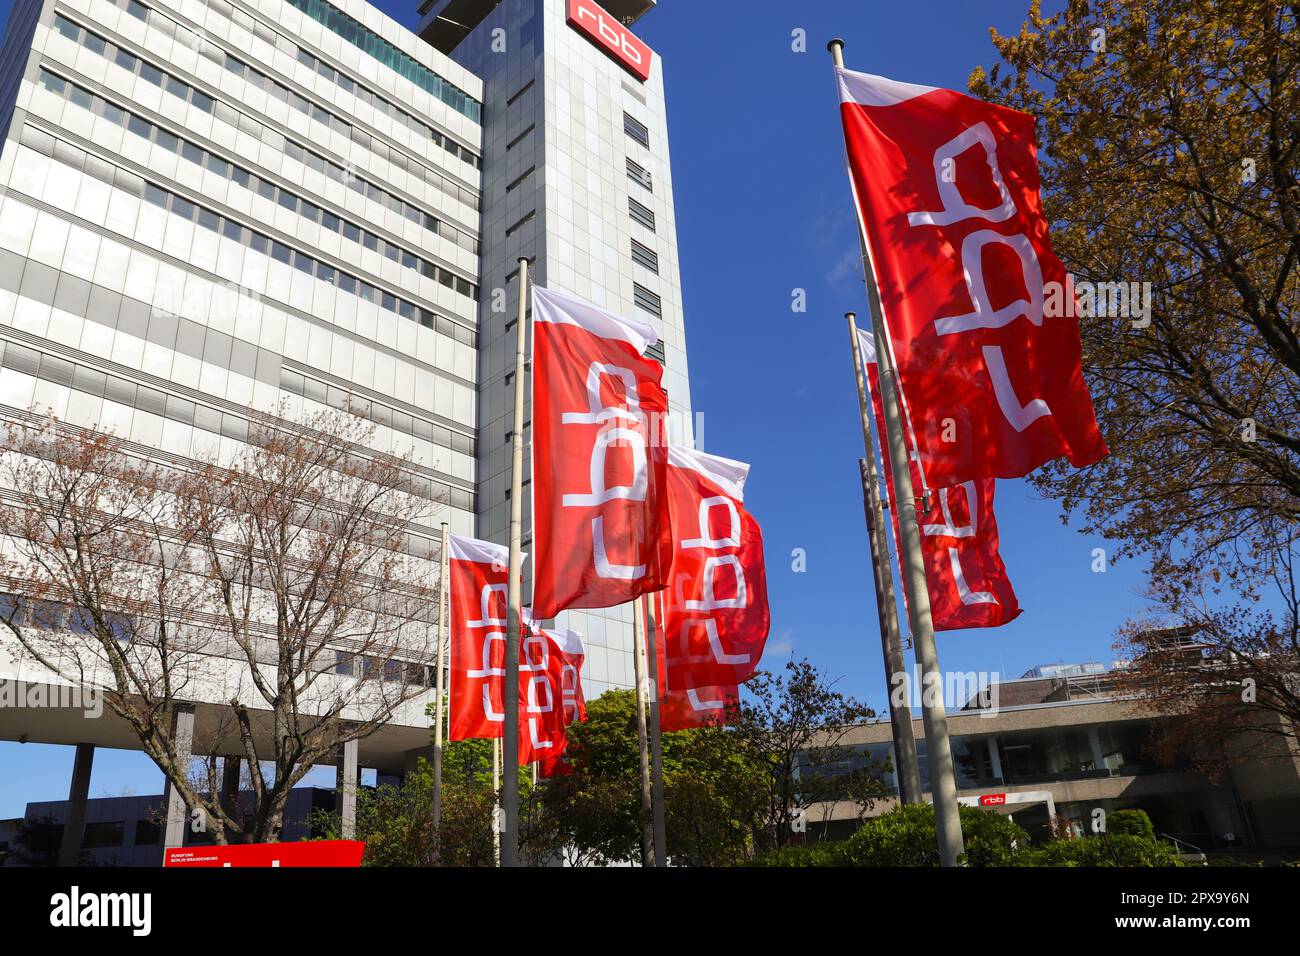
(217, 214)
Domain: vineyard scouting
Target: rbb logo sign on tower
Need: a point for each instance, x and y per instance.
(611, 36)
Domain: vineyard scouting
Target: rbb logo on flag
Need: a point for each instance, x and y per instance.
(715, 616)
(568, 654)
(572, 654)
(964, 573)
(479, 576)
(541, 696)
(601, 535)
(697, 707)
(988, 353)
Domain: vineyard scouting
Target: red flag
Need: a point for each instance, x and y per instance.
(697, 707)
(980, 314)
(479, 575)
(964, 574)
(601, 534)
(550, 662)
(542, 734)
(715, 617)
(572, 652)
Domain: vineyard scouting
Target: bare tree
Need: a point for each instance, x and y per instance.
(285, 592)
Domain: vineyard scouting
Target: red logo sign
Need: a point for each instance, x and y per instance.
(993, 799)
(300, 853)
(611, 36)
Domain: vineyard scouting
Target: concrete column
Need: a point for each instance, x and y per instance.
(1098, 757)
(230, 767)
(74, 821)
(183, 735)
(995, 758)
(346, 788)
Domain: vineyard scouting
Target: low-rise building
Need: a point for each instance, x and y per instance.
(1065, 742)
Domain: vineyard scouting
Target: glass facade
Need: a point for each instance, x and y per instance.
(207, 226)
(1028, 757)
(383, 51)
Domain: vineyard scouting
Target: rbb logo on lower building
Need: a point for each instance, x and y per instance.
(993, 799)
(611, 36)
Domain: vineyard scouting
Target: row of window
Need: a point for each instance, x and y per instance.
(237, 232)
(379, 148)
(161, 21)
(390, 669)
(50, 368)
(345, 83)
(197, 98)
(53, 616)
(642, 254)
(380, 414)
(383, 51)
(218, 166)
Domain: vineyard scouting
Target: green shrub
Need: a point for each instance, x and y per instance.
(905, 836)
(1130, 822)
(1113, 849)
(811, 854)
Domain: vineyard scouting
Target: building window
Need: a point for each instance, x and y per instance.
(636, 129)
(103, 834)
(383, 51)
(645, 256)
(647, 300)
(518, 139)
(514, 184)
(641, 214)
(639, 174)
(521, 223)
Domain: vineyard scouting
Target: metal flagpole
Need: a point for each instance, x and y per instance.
(510, 742)
(496, 801)
(943, 779)
(438, 705)
(900, 712)
(638, 674)
(656, 735)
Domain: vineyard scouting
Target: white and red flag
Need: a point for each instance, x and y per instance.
(600, 529)
(980, 313)
(572, 653)
(542, 711)
(549, 662)
(714, 613)
(479, 577)
(964, 573)
(569, 654)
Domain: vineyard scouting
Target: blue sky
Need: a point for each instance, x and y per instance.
(763, 209)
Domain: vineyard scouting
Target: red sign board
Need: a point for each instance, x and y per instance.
(993, 799)
(300, 853)
(603, 29)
